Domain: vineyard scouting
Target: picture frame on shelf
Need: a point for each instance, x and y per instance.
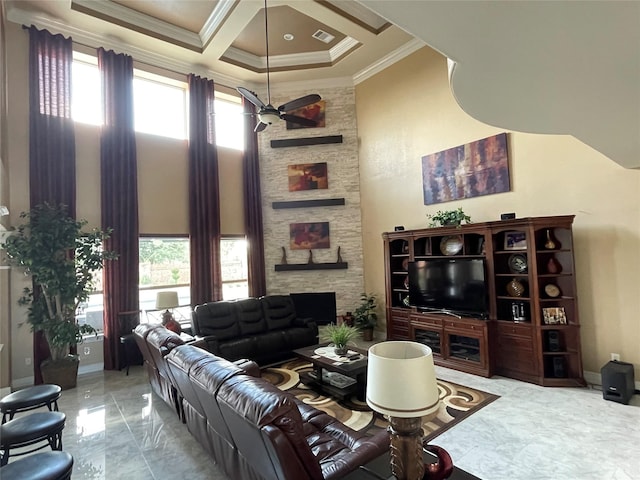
(554, 316)
(515, 240)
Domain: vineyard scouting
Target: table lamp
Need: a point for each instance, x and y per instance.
(401, 383)
(167, 300)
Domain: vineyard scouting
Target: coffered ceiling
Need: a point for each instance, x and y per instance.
(307, 39)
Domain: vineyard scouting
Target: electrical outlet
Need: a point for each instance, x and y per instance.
(615, 357)
(27, 361)
(87, 350)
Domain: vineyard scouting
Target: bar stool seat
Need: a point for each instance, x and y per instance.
(30, 398)
(29, 430)
(40, 466)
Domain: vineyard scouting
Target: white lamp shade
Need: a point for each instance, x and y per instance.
(166, 300)
(401, 380)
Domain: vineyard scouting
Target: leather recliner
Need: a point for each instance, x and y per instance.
(264, 329)
(256, 431)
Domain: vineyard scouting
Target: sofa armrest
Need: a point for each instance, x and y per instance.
(249, 366)
(307, 322)
(210, 343)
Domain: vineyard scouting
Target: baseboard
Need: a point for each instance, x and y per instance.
(82, 370)
(91, 368)
(594, 378)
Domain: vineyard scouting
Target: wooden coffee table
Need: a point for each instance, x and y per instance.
(324, 363)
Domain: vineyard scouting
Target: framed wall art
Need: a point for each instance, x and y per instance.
(309, 236)
(315, 111)
(554, 316)
(515, 241)
(471, 170)
(308, 176)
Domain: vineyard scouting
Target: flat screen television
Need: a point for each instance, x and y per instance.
(456, 285)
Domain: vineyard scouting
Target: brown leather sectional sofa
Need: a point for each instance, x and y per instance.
(252, 429)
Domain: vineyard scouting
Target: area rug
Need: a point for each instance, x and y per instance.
(457, 402)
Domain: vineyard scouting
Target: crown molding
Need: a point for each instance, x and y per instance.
(219, 14)
(92, 40)
(139, 22)
(398, 54)
(290, 61)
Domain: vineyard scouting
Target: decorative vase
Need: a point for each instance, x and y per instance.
(515, 288)
(550, 244)
(553, 266)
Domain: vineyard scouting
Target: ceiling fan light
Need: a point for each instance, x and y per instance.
(269, 117)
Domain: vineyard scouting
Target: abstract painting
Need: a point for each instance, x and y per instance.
(471, 170)
(307, 236)
(315, 111)
(308, 176)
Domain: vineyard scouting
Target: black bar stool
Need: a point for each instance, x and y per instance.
(40, 466)
(29, 430)
(30, 398)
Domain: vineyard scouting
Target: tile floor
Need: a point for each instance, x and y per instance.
(116, 428)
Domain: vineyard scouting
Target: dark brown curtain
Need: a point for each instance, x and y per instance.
(52, 147)
(119, 196)
(204, 199)
(253, 204)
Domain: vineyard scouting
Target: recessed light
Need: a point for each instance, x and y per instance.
(288, 37)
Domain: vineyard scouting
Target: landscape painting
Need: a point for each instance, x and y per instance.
(308, 176)
(315, 111)
(471, 170)
(308, 236)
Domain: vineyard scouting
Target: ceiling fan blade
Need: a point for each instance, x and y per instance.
(260, 127)
(252, 97)
(307, 122)
(300, 102)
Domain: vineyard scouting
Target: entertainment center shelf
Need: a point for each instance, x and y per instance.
(513, 287)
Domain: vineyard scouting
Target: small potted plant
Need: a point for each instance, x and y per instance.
(448, 217)
(340, 335)
(365, 316)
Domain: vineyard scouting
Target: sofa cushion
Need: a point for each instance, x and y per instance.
(235, 349)
(251, 320)
(279, 311)
(216, 318)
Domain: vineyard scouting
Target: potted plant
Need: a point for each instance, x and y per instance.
(365, 316)
(448, 217)
(340, 336)
(61, 259)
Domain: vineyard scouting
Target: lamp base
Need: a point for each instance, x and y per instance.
(406, 448)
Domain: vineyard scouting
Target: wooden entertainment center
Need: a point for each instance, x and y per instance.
(531, 331)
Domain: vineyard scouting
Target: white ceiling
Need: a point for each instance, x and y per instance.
(552, 67)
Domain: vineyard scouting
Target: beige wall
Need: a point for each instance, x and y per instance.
(408, 111)
(162, 192)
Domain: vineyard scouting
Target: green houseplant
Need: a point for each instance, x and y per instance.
(448, 217)
(340, 336)
(61, 259)
(365, 316)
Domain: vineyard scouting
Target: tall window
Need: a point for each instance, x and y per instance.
(233, 258)
(164, 266)
(160, 104)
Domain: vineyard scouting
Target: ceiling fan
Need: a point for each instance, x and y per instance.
(268, 114)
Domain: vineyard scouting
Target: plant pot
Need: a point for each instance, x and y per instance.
(341, 350)
(61, 372)
(367, 334)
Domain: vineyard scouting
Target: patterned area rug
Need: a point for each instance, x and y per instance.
(456, 401)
